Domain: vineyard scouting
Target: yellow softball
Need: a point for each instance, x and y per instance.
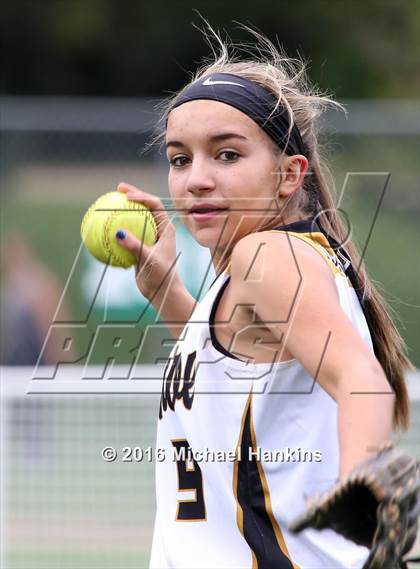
(111, 212)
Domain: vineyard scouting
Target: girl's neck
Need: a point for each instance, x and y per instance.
(221, 257)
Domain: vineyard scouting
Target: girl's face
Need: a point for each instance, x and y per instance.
(224, 172)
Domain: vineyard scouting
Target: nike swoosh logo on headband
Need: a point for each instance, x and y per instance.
(209, 81)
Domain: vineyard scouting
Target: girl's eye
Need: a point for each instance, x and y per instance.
(178, 161)
(228, 156)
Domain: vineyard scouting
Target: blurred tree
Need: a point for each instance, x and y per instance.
(136, 47)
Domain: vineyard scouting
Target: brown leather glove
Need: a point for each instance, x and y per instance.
(376, 505)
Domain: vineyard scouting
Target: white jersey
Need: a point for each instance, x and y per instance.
(242, 448)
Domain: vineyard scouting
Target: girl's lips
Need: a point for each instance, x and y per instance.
(205, 215)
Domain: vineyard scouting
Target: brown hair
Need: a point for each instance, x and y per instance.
(286, 78)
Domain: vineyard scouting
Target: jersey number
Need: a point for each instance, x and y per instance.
(190, 479)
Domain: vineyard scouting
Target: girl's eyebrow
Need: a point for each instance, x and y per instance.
(214, 138)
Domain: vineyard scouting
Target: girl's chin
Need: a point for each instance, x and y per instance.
(206, 241)
(217, 237)
(208, 237)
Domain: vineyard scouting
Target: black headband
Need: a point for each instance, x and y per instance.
(252, 99)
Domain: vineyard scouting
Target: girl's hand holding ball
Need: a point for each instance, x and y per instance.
(131, 227)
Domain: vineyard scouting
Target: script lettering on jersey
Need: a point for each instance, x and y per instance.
(178, 382)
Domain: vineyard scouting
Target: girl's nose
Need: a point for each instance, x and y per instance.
(200, 177)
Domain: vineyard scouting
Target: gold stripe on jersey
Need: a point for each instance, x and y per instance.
(267, 498)
(239, 511)
(277, 533)
(320, 243)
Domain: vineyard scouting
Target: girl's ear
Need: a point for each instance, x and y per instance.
(293, 171)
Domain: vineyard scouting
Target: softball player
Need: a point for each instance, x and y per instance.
(289, 372)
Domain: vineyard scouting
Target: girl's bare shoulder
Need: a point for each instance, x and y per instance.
(277, 257)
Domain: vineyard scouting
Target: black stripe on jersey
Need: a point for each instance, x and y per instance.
(212, 316)
(257, 524)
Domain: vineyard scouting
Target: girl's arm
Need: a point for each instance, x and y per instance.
(294, 294)
(174, 304)
(156, 273)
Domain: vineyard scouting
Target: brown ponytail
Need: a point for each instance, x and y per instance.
(387, 341)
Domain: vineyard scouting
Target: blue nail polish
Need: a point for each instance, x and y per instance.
(120, 234)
